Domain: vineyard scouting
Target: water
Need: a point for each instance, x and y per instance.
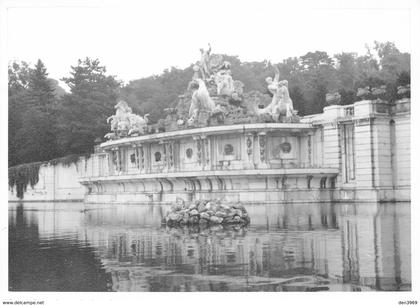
(294, 247)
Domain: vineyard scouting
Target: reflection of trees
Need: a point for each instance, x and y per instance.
(59, 264)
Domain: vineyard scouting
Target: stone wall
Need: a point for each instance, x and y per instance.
(370, 142)
(56, 183)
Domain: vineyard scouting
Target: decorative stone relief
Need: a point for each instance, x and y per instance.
(136, 156)
(262, 143)
(249, 144)
(199, 153)
(171, 154)
(206, 141)
(120, 165)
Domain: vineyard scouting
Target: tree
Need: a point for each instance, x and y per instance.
(31, 114)
(152, 94)
(314, 60)
(83, 112)
(319, 77)
(18, 73)
(37, 133)
(40, 93)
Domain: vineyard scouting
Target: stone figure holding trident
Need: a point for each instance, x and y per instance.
(204, 62)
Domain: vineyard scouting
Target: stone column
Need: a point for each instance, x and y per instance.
(148, 158)
(112, 164)
(176, 155)
(206, 152)
(347, 144)
(402, 154)
(310, 163)
(332, 148)
(117, 161)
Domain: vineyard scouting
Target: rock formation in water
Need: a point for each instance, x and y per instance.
(205, 212)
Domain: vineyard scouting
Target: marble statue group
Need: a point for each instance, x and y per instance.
(212, 93)
(125, 123)
(281, 103)
(213, 69)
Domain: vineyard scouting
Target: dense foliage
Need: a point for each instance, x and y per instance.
(83, 112)
(46, 123)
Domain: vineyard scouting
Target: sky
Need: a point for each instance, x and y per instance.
(140, 39)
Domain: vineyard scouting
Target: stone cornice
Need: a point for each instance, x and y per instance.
(213, 130)
(225, 173)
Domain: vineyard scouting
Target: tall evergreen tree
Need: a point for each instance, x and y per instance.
(37, 134)
(83, 112)
(17, 91)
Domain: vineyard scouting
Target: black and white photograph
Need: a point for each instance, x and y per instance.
(195, 147)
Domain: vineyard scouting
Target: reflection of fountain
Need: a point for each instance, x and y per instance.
(318, 246)
(43, 261)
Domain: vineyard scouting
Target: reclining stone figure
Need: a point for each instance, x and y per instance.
(200, 101)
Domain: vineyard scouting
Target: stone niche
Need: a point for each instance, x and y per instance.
(229, 152)
(229, 148)
(283, 151)
(132, 160)
(188, 155)
(157, 157)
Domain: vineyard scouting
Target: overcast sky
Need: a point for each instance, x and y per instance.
(138, 41)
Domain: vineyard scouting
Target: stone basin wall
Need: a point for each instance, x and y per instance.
(206, 212)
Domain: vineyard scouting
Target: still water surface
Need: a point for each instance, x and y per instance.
(287, 247)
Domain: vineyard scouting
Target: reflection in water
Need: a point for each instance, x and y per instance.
(287, 247)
